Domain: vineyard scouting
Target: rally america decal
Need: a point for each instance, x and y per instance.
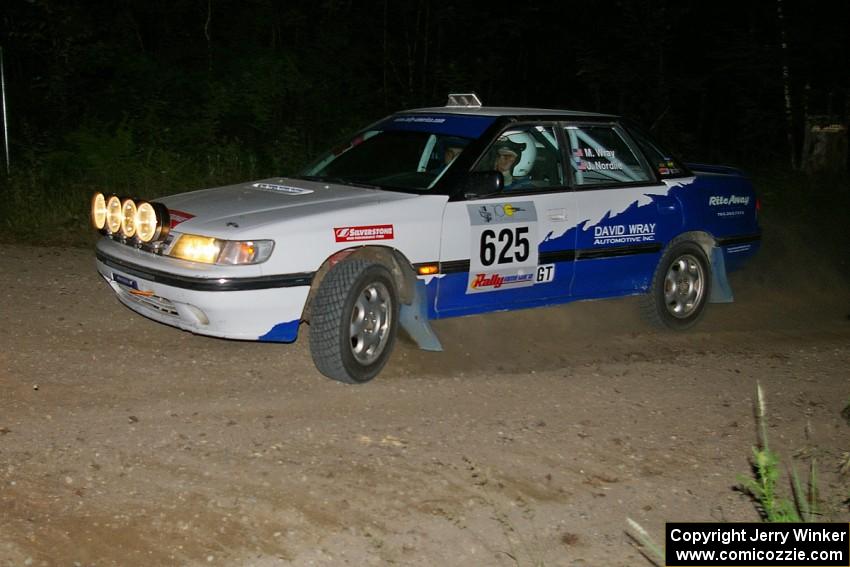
(361, 233)
(503, 246)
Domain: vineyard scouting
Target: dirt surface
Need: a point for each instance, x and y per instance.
(529, 442)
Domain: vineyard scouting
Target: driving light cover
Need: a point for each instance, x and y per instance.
(145, 222)
(114, 216)
(210, 250)
(128, 221)
(98, 210)
(133, 220)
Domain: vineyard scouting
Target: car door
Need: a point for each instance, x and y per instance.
(513, 249)
(624, 212)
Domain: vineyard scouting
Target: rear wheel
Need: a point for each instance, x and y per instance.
(679, 289)
(354, 319)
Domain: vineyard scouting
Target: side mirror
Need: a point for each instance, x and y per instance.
(482, 184)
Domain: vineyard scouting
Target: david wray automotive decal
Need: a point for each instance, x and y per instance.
(503, 247)
(624, 233)
(361, 233)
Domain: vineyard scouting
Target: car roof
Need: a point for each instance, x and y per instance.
(507, 111)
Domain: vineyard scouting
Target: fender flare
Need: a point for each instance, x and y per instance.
(413, 312)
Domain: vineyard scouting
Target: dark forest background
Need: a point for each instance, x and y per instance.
(153, 97)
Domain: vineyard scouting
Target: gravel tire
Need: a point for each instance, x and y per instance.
(680, 288)
(354, 321)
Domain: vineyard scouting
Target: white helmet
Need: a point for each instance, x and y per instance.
(527, 154)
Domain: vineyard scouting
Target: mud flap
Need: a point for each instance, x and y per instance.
(414, 320)
(721, 291)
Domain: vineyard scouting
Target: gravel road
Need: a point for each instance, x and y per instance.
(528, 442)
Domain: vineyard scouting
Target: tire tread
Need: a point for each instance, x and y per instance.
(326, 344)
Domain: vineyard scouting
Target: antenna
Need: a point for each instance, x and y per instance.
(5, 121)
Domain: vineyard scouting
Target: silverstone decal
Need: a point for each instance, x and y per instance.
(281, 188)
(361, 233)
(178, 216)
(623, 233)
(503, 246)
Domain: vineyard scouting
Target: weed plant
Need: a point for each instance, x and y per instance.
(762, 487)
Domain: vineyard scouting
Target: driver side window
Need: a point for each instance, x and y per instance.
(528, 158)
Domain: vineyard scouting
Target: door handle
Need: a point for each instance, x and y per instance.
(557, 214)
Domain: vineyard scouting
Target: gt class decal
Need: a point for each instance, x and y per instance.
(361, 233)
(503, 246)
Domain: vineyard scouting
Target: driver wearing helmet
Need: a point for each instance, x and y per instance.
(508, 154)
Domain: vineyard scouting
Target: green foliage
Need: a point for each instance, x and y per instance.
(46, 200)
(763, 486)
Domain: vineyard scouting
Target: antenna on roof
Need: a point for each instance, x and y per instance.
(466, 100)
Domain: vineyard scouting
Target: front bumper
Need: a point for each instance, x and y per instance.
(251, 308)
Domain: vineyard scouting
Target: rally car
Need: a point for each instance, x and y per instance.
(432, 213)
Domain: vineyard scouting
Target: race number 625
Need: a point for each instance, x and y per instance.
(506, 246)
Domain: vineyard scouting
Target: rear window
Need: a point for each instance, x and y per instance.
(665, 165)
(602, 155)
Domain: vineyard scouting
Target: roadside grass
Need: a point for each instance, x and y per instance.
(762, 487)
(802, 506)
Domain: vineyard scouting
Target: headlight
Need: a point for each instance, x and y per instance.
(98, 211)
(128, 222)
(113, 214)
(196, 248)
(210, 250)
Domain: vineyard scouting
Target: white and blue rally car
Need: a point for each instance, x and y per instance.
(432, 213)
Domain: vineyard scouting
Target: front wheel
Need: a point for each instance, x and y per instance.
(354, 321)
(680, 288)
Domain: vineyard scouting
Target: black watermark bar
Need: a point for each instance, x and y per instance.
(759, 545)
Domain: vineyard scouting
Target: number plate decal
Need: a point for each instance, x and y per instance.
(503, 252)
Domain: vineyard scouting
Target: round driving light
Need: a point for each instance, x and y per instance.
(98, 211)
(128, 222)
(113, 214)
(145, 222)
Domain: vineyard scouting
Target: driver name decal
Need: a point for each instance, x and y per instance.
(361, 233)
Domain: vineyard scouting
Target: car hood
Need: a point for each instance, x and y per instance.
(243, 207)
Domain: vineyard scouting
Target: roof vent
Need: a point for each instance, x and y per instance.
(465, 100)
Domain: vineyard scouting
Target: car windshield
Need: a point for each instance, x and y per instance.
(401, 153)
